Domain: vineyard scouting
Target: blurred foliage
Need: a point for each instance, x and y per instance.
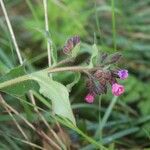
(65, 21)
(92, 20)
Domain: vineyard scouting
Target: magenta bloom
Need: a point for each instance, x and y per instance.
(123, 74)
(117, 89)
(89, 98)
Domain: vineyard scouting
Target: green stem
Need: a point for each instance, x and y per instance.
(89, 139)
(49, 70)
(11, 32)
(100, 101)
(113, 23)
(72, 68)
(106, 116)
(14, 81)
(45, 3)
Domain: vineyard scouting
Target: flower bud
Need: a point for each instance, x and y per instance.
(115, 57)
(89, 98)
(70, 44)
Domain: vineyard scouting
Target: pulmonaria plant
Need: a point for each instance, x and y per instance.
(104, 74)
(99, 80)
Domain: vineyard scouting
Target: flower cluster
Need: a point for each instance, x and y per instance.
(97, 83)
(99, 80)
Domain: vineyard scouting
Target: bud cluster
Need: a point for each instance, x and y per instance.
(99, 80)
(98, 83)
(70, 44)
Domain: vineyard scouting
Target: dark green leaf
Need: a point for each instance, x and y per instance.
(19, 88)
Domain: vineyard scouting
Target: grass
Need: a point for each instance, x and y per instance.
(27, 116)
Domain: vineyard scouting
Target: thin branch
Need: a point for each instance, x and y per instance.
(47, 30)
(11, 32)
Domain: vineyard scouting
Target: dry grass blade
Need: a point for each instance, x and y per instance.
(11, 32)
(18, 126)
(38, 131)
(45, 3)
(45, 122)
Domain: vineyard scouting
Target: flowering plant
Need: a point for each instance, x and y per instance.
(104, 73)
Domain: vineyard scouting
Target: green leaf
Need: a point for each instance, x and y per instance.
(94, 55)
(75, 50)
(57, 93)
(120, 134)
(19, 88)
(3, 68)
(75, 81)
(4, 57)
(132, 84)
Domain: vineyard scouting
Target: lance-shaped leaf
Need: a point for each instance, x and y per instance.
(57, 93)
(75, 50)
(19, 88)
(94, 56)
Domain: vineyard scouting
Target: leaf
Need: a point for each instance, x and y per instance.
(75, 81)
(3, 68)
(94, 55)
(5, 58)
(75, 50)
(57, 93)
(18, 88)
(120, 134)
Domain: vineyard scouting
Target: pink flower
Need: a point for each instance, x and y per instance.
(89, 98)
(117, 89)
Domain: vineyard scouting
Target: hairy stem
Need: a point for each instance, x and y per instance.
(49, 70)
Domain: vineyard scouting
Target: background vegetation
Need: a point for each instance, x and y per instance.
(112, 24)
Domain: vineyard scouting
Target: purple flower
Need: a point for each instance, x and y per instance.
(123, 74)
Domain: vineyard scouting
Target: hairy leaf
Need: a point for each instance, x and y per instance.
(19, 88)
(94, 55)
(57, 93)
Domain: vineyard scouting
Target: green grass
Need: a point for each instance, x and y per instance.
(109, 123)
